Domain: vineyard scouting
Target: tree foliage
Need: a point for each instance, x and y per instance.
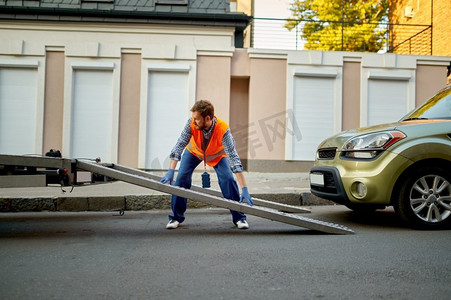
(346, 25)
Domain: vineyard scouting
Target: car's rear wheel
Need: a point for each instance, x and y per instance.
(425, 198)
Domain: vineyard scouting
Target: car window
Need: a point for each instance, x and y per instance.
(438, 107)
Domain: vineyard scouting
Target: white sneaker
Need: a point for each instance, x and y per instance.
(242, 224)
(173, 224)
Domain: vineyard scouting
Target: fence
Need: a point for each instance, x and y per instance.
(271, 33)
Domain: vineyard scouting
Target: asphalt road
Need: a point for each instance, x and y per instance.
(101, 256)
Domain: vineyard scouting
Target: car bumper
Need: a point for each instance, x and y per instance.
(341, 178)
(332, 187)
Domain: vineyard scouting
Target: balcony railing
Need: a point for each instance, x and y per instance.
(269, 33)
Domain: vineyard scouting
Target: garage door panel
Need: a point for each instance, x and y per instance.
(166, 115)
(314, 112)
(18, 110)
(92, 113)
(387, 101)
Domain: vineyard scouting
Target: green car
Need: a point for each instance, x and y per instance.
(406, 165)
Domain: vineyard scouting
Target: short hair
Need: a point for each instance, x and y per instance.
(204, 108)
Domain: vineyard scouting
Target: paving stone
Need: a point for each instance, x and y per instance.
(106, 203)
(5, 204)
(33, 204)
(72, 204)
(147, 202)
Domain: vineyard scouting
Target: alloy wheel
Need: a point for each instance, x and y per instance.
(430, 198)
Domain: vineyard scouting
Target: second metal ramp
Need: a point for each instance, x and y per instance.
(259, 202)
(132, 176)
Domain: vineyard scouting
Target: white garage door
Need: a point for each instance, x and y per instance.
(91, 120)
(387, 101)
(314, 113)
(18, 104)
(166, 115)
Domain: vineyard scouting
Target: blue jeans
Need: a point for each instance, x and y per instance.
(227, 183)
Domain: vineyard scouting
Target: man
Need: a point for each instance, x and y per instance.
(206, 138)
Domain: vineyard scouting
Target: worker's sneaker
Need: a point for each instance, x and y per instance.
(242, 224)
(173, 224)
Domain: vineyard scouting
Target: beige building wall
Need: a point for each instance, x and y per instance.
(213, 83)
(129, 109)
(239, 114)
(241, 64)
(239, 102)
(351, 95)
(429, 79)
(267, 110)
(53, 101)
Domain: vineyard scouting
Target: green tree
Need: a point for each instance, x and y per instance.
(340, 25)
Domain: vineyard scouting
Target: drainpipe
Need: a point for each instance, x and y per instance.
(432, 21)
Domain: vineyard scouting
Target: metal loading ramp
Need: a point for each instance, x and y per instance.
(272, 211)
(259, 202)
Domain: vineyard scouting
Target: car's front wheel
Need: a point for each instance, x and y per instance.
(425, 198)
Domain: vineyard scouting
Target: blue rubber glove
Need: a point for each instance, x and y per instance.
(245, 195)
(169, 177)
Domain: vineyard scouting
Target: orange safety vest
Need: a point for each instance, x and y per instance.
(214, 151)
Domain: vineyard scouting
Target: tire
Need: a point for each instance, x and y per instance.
(424, 200)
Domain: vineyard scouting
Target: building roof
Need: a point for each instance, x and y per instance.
(171, 12)
(193, 12)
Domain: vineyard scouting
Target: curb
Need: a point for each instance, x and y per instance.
(134, 202)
